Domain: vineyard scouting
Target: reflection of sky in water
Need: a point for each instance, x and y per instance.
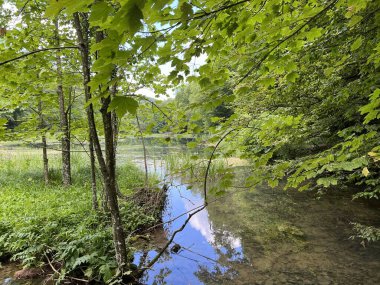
(202, 245)
(201, 223)
(216, 255)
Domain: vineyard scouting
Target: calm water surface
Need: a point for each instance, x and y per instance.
(265, 236)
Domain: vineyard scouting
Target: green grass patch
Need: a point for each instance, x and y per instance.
(38, 222)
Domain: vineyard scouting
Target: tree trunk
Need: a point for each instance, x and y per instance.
(107, 166)
(95, 205)
(45, 160)
(111, 186)
(115, 123)
(44, 144)
(63, 120)
(115, 128)
(144, 149)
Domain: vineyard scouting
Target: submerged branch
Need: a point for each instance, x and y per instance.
(154, 260)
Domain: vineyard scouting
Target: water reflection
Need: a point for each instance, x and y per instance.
(264, 237)
(201, 223)
(201, 245)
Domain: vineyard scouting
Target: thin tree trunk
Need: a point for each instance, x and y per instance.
(69, 115)
(95, 205)
(115, 128)
(115, 123)
(111, 186)
(144, 149)
(107, 166)
(44, 144)
(63, 120)
(45, 159)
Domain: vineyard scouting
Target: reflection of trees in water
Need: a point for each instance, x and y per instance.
(159, 279)
(210, 271)
(160, 275)
(216, 275)
(224, 269)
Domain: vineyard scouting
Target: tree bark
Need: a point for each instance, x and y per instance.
(45, 160)
(44, 144)
(95, 205)
(107, 166)
(115, 126)
(144, 150)
(111, 186)
(115, 123)
(63, 120)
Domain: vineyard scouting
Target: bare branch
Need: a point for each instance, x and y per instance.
(23, 7)
(210, 161)
(37, 51)
(205, 13)
(151, 102)
(154, 260)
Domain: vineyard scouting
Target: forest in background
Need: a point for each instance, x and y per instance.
(291, 86)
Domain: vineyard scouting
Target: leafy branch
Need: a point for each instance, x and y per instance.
(256, 66)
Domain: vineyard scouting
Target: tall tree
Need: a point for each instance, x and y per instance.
(63, 116)
(107, 164)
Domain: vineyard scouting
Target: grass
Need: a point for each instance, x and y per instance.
(39, 222)
(195, 166)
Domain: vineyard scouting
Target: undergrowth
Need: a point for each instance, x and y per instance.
(41, 224)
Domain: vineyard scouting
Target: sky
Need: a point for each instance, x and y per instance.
(195, 63)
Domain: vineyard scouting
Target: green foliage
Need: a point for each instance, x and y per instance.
(366, 233)
(372, 110)
(121, 105)
(193, 167)
(39, 222)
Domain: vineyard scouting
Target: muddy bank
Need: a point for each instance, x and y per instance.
(12, 273)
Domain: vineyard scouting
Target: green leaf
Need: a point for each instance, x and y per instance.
(354, 20)
(2, 123)
(69, 7)
(273, 183)
(192, 144)
(204, 82)
(327, 181)
(99, 13)
(314, 33)
(128, 18)
(357, 44)
(292, 76)
(267, 82)
(187, 11)
(134, 16)
(121, 105)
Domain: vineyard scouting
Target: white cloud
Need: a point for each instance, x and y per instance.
(201, 223)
